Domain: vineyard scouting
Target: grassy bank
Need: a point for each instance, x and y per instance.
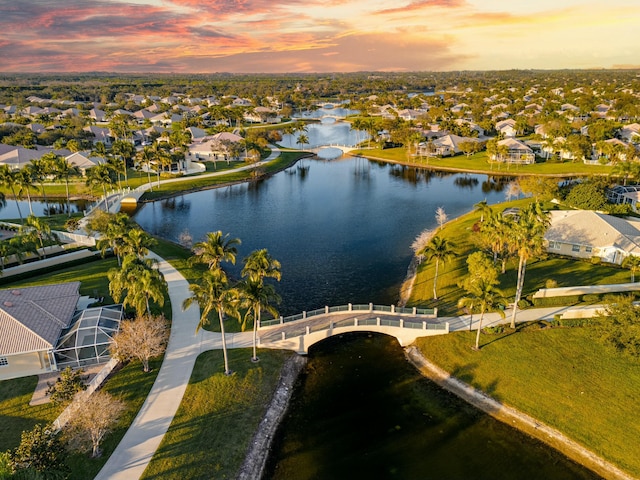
(566, 272)
(218, 416)
(478, 163)
(562, 377)
(198, 182)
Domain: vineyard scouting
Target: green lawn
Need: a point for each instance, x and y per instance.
(16, 415)
(197, 182)
(478, 163)
(566, 272)
(218, 416)
(563, 377)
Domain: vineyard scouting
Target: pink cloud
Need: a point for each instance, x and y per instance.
(423, 4)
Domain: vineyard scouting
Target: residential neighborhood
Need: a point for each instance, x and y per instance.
(541, 168)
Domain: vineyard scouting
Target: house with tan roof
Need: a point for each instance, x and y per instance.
(511, 150)
(586, 234)
(42, 330)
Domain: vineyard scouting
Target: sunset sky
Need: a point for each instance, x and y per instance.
(202, 36)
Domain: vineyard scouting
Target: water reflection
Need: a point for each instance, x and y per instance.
(495, 183)
(466, 182)
(342, 229)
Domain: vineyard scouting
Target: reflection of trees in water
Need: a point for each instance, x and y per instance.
(303, 171)
(178, 204)
(466, 182)
(415, 175)
(495, 183)
(254, 185)
(231, 191)
(362, 169)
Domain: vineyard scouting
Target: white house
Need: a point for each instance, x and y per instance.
(507, 127)
(586, 234)
(516, 152)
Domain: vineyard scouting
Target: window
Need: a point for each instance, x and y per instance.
(554, 245)
(575, 248)
(588, 249)
(4, 362)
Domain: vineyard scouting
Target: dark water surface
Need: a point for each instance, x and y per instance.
(361, 411)
(342, 229)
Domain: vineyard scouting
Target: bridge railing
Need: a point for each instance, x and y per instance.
(365, 307)
(380, 321)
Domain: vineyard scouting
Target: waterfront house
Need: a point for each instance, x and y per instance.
(586, 234)
(511, 150)
(41, 330)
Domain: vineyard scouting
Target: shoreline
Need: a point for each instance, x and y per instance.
(515, 418)
(255, 460)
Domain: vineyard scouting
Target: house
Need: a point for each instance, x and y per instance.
(625, 194)
(100, 134)
(19, 157)
(41, 330)
(514, 151)
(446, 145)
(506, 127)
(586, 234)
(97, 115)
(212, 147)
(84, 161)
(630, 133)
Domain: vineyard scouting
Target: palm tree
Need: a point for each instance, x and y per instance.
(485, 297)
(483, 208)
(137, 242)
(632, 262)
(139, 281)
(101, 175)
(8, 178)
(24, 181)
(63, 169)
(113, 235)
(258, 266)
(258, 296)
(527, 238)
(217, 248)
(40, 169)
(441, 250)
(127, 152)
(40, 231)
(303, 139)
(213, 293)
(145, 156)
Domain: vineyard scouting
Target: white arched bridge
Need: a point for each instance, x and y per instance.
(299, 332)
(344, 148)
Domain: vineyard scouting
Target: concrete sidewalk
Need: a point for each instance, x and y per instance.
(143, 437)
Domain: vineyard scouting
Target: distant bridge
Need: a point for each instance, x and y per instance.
(344, 148)
(299, 332)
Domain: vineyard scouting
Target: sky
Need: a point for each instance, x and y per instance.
(278, 36)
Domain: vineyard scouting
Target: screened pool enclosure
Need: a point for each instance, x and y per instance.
(87, 339)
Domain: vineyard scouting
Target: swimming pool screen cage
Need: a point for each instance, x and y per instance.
(87, 339)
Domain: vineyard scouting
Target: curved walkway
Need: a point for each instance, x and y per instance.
(135, 450)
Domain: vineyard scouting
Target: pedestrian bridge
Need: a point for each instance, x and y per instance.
(344, 148)
(299, 332)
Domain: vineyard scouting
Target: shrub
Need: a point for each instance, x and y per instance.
(523, 304)
(68, 384)
(596, 260)
(551, 283)
(591, 298)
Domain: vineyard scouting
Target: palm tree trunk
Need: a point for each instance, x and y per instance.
(13, 191)
(29, 200)
(224, 343)
(435, 280)
(106, 201)
(522, 266)
(479, 329)
(149, 176)
(68, 200)
(256, 321)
